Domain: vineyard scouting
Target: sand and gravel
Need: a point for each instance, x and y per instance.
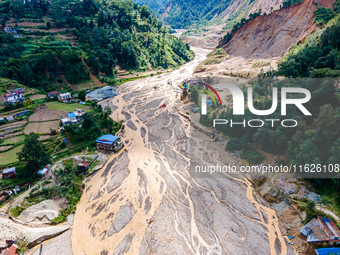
(42, 212)
(60, 245)
(145, 200)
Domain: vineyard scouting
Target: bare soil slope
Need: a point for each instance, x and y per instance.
(271, 35)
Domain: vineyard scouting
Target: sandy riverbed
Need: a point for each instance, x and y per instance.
(144, 200)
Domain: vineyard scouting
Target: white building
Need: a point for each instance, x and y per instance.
(65, 97)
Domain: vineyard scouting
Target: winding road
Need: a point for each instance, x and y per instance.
(145, 201)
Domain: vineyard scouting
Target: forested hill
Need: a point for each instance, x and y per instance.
(154, 5)
(184, 13)
(191, 13)
(103, 34)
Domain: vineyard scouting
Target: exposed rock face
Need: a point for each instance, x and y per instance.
(271, 35)
(43, 212)
(145, 201)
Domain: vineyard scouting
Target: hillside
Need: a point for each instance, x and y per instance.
(154, 5)
(74, 40)
(239, 9)
(271, 35)
(191, 13)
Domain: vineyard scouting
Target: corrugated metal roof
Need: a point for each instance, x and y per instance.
(328, 251)
(9, 170)
(321, 229)
(107, 139)
(71, 115)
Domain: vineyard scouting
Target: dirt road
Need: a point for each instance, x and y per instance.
(145, 201)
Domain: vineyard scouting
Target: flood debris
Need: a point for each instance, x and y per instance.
(102, 93)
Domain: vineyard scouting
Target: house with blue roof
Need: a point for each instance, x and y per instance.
(328, 251)
(109, 143)
(71, 116)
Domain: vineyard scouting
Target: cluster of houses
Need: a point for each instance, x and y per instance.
(15, 97)
(62, 97)
(72, 117)
(17, 115)
(15, 31)
(8, 174)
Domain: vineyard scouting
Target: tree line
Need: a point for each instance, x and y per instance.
(106, 34)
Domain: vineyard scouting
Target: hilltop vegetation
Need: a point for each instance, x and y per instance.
(323, 15)
(104, 34)
(318, 57)
(186, 13)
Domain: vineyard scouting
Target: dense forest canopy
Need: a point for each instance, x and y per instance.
(106, 33)
(154, 5)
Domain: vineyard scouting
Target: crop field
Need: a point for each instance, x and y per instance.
(10, 156)
(14, 140)
(56, 105)
(46, 115)
(41, 127)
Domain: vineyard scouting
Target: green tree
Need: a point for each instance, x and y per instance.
(39, 13)
(335, 156)
(144, 11)
(311, 205)
(33, 154)
(289, 68)
(108, 110)
(325, 201)
(82, 95)
(194, 94)
(3, 22)
(325, 120)
(307, 152)
(266, 139)
(91, 129)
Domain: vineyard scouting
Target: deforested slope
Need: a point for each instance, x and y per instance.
(271, 35)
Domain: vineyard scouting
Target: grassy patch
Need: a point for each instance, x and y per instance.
(90, 84)
(216, 56)
(260, 64)
(252, 156)
(123, 80)
(10, 156)
(59, 106)
(13, 140)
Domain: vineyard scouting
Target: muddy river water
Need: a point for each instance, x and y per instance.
(144, 200)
